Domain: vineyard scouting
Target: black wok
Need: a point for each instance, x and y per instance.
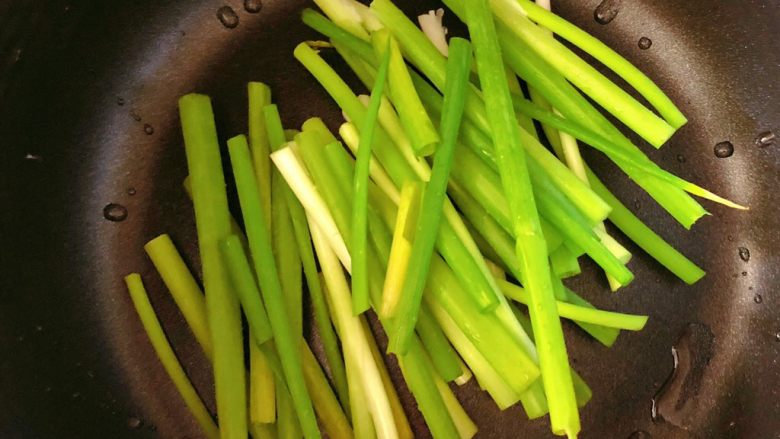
(88, 117)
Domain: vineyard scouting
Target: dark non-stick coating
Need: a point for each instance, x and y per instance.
(88, 117)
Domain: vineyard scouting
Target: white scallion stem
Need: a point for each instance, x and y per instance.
(353, 336)
(432, 27)
(296, 177)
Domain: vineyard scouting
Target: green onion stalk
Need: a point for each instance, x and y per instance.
(212, 220)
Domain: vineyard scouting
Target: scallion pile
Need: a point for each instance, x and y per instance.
(440, 214)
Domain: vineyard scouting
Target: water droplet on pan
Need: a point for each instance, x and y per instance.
(115, 212)
(680, 158)
(645, 43)
(606, 11)
(744, 254)
(724, 150)
(120, 101)
(148, 129)
(253, 6)
(227, 16)
(131, 191)
(765, 139)
(676, 402)
(134, 423)
(757, 298)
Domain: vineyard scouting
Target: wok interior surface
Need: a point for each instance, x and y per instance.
(88, 93)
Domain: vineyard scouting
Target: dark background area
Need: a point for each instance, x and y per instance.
(88, 117)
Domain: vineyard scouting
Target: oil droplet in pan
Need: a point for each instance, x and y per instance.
(253, 6)
(227, 16)
(724, 150)
(765, 139)
(676, 402)
(744, 253)
(606, 11)
(645, 43)
(115, 212)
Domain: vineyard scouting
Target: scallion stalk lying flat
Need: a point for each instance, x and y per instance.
(531, 247)
(212, 219)
(360, 197)
(167, 357)
(433, 197)
(265, 267)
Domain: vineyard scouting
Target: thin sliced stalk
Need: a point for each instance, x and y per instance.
(564, 264)
(595, 48)
(183, 287)
(489, 379)
(420, 379)
(645, 238)
(403, 236)
(265, 267)
(360, 302)
(212, 220)
(434, 196)
(466, 427)
(287, 426)
(351, 138)
(531, 247)
(603, 334)
(274, 129)
(342, 167)
(288, 260)
(345, 15)
(321, 314)
(581, 389)
(435, 342)
(300, 183)
(362, 423)
(259, 95)
(262, 388)
(495, 269)
(326, 405)
(263, 431)
(414, 118)
(401, 422)
(245, 287)
(465, 375)
(353, 337)
(316, 125)
(167, 357)
(570, 311)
